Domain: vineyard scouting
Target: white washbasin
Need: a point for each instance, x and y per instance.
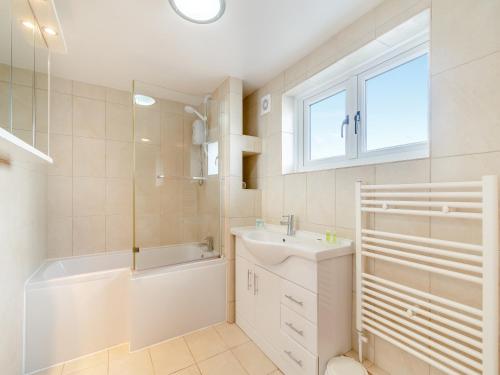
(272, 248)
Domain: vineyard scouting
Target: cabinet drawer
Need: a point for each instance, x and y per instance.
(300, 329)
(297, 357)
(299, 300)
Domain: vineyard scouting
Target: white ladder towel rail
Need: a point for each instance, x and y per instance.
(453, 337)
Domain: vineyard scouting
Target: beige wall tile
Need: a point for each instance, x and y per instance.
(272, 150)
(119, 126)
(392, 360)
(344, 192)
(89, 117)
(149, 162)
(61, 85)
(61, 151)
(89, 196)
(89, 157)
(118, 196)
(60, 196)
(87, 90)
(273, 197)
(118, 97)
(321, 198)
(148, 231)
(118, 232)
(477, 36)
(60, 237)
(462, 98)
(171, 229)
(295, 190)
(119, 159)
(170, 192)
(147, 124)
(147, 196)
(61, 113)
(89, 234)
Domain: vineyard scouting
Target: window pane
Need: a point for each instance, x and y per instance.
(213, 158)
(397, 105)
(326, 117)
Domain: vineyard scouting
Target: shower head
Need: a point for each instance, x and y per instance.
(191, 110)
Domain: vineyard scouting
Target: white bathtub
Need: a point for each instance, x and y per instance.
(80, 305)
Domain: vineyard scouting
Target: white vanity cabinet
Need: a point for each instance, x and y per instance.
(297, 311)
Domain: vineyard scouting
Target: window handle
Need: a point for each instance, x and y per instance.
(357, 120)
(344, 123)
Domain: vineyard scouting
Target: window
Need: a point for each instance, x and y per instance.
(377, 112)
(213, 158)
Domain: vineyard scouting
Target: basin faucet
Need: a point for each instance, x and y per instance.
(290, 224)
(210, 243)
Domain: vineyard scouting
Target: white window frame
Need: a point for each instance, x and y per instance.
(406, 151)
(353, 82)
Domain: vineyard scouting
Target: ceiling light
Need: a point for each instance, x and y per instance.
(143, 100)
(199, 11)
(145, 140)
(28, 24)
(49, 30)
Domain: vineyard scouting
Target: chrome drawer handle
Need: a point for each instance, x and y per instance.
(289, 354)
(294, 300)
(296, 330)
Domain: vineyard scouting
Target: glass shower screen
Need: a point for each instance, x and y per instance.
(176, 177)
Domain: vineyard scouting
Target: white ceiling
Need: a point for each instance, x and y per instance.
(112, 42)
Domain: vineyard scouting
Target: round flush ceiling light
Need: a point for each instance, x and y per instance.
(49, 30)
(199, 11)
(144, 100)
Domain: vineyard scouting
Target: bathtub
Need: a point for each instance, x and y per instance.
(80, 305)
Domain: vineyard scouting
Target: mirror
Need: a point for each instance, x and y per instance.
(23, 68)
(24, 75)
(5, 44)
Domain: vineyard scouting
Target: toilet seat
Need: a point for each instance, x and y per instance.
(344, 366)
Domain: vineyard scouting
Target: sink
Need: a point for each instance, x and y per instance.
(272, 248)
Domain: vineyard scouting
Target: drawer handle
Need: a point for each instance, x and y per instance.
(289, 354)
(294, 300)
(296, 330)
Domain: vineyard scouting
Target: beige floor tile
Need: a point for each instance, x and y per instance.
(88, 362)
(222, 364)
(95, 370)
(193, 370)
(276, 372)
(205, 343)
(57, 370)
(171, 356)
(121, 362)
(231, 334)
(253, 359)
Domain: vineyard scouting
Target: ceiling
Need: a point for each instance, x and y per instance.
(112, 42)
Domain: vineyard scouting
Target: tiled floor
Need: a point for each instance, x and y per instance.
(222, 349)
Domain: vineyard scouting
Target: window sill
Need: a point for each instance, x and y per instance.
(360, 161)
(14, 149)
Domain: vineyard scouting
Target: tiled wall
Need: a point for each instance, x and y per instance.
(464, 134)
(90, 183)
(23, 233)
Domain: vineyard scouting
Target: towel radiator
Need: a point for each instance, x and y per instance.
(451, 336)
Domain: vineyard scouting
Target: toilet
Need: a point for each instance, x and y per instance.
(344, 366)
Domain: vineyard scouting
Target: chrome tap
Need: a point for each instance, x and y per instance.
(290, 223)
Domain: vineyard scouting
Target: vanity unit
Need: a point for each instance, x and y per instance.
(293, 296)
